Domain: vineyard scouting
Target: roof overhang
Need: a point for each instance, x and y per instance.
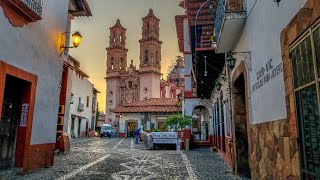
(79, 8)
(214, 66)
(180, 31)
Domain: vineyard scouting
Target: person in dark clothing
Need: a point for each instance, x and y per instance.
(136, 135)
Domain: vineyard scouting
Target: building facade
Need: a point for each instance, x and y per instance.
(149, 115)
(76, 8)
(30, 75)
(265, 100)
(82, 102)
(128, 84)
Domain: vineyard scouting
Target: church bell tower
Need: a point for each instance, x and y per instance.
(150, 57)
(116, 65)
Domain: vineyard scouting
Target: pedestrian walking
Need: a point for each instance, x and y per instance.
(136, 135)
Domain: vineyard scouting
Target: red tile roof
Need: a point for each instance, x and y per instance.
(163, 105)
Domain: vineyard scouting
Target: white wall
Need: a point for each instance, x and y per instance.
(261, 36)
(35, 48)
(67, 115)
(81, 87)
(187, 56)
(129, 116)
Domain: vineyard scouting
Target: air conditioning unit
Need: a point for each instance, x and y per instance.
(81, 107)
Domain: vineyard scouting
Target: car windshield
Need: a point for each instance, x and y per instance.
(106, 128)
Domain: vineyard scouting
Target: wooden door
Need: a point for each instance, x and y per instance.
(8, 132)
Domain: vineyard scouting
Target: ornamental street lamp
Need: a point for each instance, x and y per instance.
(75, 39)
(231, 61)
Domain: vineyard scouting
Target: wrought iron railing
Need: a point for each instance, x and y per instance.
(35, 5)
(224, 8)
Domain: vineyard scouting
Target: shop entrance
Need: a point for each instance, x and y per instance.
(15, 92)
(241, 126)
(131, 128)
(200, 123)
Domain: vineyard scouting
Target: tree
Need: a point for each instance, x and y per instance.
(177, 121)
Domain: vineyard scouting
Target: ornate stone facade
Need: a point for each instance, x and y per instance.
(130, 85)
(126, 85)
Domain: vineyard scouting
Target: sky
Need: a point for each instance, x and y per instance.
(95, 32)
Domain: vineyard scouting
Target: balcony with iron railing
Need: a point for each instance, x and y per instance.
(30, 9)
(80, 107)
(230, 19)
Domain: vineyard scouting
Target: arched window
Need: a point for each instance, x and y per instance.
(130, 84)
(157, 58)
(146, 56)
(112, 63)
(121, 63)
(148, 28)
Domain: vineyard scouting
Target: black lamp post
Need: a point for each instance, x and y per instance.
(231, 61)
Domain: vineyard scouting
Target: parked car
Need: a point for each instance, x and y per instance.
(106, 130)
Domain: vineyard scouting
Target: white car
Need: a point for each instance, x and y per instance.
(106, 130)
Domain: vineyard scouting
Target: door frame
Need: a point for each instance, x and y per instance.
(240, 70)
(127, 122)
(25, 132)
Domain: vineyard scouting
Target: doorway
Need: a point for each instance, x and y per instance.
(240, 128)
(200, 123)
(131, 128)
(15, 93)
(72, 127)
(79, 127)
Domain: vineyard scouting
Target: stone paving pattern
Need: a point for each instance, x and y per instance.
(130, 161)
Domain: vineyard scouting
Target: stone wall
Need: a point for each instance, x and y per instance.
(273, 152)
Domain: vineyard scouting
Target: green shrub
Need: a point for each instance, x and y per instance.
(177, 121)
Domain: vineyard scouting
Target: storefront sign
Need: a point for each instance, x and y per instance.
(166, 135)
(266, 74)
(24, 115)
(165, 141)
(267, 95)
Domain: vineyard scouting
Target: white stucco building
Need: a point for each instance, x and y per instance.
(148, 115)
(264, 99)
(83, 103)
(32, 34)
(200, 109)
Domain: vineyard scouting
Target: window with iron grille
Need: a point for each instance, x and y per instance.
(305, 61)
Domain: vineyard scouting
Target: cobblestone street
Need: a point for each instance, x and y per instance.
(122, 159)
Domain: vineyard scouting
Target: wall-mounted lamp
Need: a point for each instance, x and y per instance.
(75, 39)
(205, 73)
(231, 61)
(277, 1)
(210, 5)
